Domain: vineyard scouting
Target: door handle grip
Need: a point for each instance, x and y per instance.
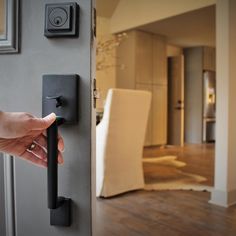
(52, 165)
(60, 95)
(52, 149)
(60, 207)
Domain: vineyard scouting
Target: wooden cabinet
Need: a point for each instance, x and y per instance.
(157, 121)
(159, 60)
(149, 133)
(143, 59)
(159, 114)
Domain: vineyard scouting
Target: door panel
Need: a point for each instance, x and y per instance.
(21, 90)
(176, 100)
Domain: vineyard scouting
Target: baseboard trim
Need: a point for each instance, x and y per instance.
(223, 198)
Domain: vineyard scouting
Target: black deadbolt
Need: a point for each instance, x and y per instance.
(61, 19)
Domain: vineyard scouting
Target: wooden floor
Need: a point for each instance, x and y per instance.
(198, 157)
(167, 213)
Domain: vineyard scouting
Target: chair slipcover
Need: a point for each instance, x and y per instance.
(119, 142)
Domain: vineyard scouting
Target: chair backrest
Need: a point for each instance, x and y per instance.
(120, 138)
(126, 114)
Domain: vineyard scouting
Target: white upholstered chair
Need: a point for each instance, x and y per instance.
(120, 139)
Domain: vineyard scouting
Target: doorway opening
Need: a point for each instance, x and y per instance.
(174, 60)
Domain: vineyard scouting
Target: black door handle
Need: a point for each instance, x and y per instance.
(52, 142)
(60, 95)
(52, 166)
(60, 207)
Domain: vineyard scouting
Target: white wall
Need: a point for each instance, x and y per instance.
(225, 159)
(106, 78)
(132, 13)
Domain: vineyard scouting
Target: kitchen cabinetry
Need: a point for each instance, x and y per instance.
(143, 57)
(143, 61)
(159, 114)
(159, 60)
(149, 129)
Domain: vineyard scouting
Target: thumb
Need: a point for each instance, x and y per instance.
(42, 123)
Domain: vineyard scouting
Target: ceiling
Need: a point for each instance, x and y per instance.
(106, 8)
(195, 28)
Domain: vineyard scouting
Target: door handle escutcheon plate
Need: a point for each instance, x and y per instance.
(60, 95)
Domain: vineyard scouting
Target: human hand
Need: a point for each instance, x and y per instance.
(18, 131)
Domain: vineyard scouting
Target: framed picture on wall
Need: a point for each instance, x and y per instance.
(9, 13)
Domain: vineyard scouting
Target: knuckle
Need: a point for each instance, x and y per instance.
(27, 115)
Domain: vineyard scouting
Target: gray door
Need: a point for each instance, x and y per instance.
(25, 186)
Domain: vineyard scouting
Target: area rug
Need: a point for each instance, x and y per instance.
(164, 173)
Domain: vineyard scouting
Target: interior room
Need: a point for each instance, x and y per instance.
(174, 59)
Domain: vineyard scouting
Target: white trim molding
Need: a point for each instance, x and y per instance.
(222, 198)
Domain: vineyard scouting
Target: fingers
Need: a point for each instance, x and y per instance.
(38, 156)
(29, 156)
(43, 141)
(41, 123)
(61, 145)
(60, 158)
(39, 152)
